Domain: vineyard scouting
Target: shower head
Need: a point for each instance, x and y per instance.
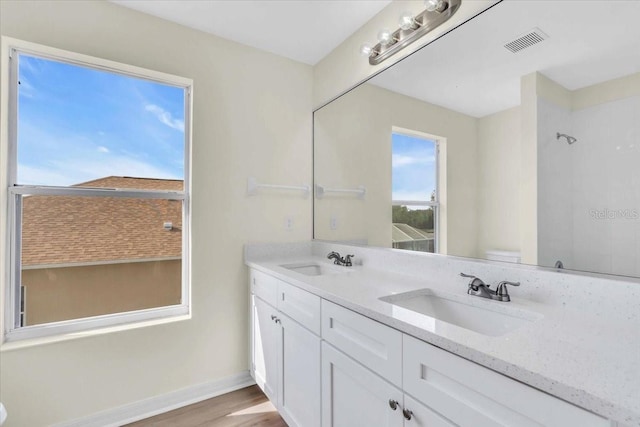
(569, 139)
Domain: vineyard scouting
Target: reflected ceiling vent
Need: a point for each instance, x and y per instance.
(528, 39)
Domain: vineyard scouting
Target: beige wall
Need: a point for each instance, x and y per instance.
(353, 147)
(344, 67)
(251, 116)
(528, 162)
(604, 92)
(498, 221)
(62, 293)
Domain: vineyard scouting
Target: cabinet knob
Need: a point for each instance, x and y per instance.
(277, 320)
(393, 404)
(407, 414)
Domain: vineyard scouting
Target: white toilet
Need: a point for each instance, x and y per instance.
(504, 256)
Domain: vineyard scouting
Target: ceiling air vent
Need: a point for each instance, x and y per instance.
(526, 40)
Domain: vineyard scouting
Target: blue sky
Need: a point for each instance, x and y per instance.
(76, 124)
(413, 168)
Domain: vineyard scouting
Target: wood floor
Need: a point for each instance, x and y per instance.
(241, 408)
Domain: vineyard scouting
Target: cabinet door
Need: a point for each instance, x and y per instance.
(265, 347)
(299, 382)
(353, 396)
(422, 416)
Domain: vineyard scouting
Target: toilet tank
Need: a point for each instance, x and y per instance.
(505, 256)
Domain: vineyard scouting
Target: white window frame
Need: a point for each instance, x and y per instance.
(435, 205)
(11, 193)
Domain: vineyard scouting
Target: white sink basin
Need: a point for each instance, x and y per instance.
(314, 268)
(429, 309)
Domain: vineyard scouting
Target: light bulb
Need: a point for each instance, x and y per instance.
(405, 21)
(433, 5)
(365, 49)
(385, 37)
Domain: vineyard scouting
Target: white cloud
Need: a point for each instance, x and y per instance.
(76, 171)
(30, 175)
(399, 160)
(165, 117)
(26, 88)
(55, 158)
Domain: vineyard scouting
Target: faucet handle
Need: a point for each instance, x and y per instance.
(475, 281)
(502, 291)
(506, 282)
(347, 260)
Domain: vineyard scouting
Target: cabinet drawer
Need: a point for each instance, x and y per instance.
(471, 395)
(301, 306)
(376, 346)
(264, 286)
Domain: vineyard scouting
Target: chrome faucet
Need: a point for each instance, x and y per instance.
(478, 288)
(338, 260)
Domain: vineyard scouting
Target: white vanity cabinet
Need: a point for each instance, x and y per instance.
(285, 356)
(354, 396)
(367, 392)
(323, 364)
(370, 365)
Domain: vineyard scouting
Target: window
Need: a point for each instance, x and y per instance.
(98, 193)
(414, 192)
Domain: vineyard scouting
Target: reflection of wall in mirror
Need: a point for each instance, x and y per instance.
(589, 202)
(499, 150)
(352, 146)
(508, 176)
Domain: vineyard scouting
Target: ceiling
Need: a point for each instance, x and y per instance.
(471, 71)
(302, 30)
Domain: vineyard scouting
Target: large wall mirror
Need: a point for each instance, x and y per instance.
(514, 137)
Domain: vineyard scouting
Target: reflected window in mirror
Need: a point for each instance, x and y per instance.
(415, 202)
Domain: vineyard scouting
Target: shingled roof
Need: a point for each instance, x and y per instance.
(406, 233)
(64, 229)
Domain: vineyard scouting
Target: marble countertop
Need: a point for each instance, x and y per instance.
(589, 360)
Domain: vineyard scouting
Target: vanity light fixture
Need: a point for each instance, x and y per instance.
(385, 37)
(407, 21)
(411, 28)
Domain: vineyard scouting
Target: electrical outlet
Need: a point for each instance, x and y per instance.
(333, 222)
(288, 223)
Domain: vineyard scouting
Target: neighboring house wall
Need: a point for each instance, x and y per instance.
(62, 293)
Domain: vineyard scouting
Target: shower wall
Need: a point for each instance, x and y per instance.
(555, 186)
(589, 192)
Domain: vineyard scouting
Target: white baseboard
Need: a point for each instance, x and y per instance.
(159, 404)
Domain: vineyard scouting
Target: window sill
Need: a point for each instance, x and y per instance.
(34, 342)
